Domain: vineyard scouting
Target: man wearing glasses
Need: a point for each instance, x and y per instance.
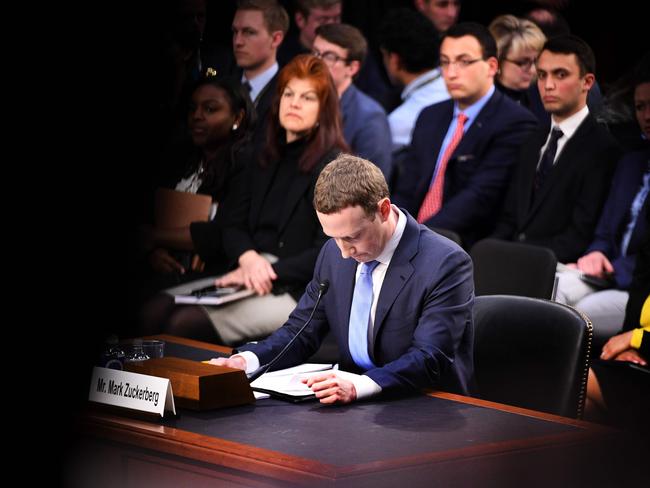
(309, 15)
(462, 150)
(365, 125)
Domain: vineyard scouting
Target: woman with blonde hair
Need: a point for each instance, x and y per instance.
(519, 42)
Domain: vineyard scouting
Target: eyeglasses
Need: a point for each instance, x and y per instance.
(329, 57)
(525, 64)
(459, 63)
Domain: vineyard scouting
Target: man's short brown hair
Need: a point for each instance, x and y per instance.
(347, 37)
(305, 6)
(274, 14)
(349, 181)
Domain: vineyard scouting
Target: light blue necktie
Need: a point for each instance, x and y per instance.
(360, 316)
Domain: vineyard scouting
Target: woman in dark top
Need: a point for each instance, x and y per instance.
(272, 236)
(220, 117)
(519, 42)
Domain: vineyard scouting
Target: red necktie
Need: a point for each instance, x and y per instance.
(433, 199)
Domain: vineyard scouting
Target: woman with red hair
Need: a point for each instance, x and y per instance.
(271, 234)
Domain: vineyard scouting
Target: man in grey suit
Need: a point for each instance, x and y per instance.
(365, 126)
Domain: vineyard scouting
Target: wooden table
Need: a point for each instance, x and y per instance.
(439, 439)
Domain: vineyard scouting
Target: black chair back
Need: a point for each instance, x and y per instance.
(513, 268)
(531, 353)
(449, 234)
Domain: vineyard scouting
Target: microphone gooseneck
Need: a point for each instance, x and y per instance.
(322, 289)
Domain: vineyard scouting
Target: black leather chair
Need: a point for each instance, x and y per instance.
(449, 234)
(531, 353)
(513, 268)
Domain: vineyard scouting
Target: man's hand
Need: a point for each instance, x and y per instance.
(616, 345)
(330, 388)
(235, 362)
(596, 264)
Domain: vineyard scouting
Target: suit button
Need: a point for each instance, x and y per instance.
(281, 244)
(521, 237)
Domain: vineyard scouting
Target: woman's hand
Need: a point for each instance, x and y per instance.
(616, 345)
(258, 272)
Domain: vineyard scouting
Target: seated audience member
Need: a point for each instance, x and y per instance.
(271, 236)
(409, 48)
(553, 24)
(519, 42)
(258, 29)
(443, 14)
(618, 389)
(462, 150)
(622, 225)
(562, 176)
(219, 119)
(309, 15)
(366, 131)
(399, 302)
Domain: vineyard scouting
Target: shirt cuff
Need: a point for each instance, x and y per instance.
(252, 361)
(363, 384)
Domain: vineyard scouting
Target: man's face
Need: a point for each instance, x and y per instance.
(467, 75)
(252, 43)
(442, 13)
(642, 107)
(335, 57)
(317, 16)
(560, 85)
(357, 235)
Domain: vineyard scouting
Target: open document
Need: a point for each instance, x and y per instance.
(286, 384)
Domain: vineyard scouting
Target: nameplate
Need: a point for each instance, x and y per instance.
(136, 391)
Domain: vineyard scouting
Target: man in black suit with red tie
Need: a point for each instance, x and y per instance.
(562, 176)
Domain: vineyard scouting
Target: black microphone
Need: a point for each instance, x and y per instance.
(322, 289)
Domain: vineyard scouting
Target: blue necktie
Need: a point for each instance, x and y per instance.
(546, 163)
(360, 317)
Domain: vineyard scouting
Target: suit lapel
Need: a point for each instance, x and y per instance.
(528, 169)
(433, 149)
(398, 273)
(474, 133)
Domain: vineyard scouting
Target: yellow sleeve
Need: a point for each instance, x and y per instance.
(645, 313)
(637, 337)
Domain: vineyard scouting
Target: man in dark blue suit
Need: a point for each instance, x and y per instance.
(462, 150)
(399, 302)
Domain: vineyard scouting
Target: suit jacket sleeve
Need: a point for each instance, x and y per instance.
(236, 236)
(444, 322)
